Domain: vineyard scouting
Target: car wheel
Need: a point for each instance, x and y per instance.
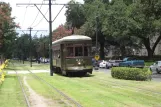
(158, 71)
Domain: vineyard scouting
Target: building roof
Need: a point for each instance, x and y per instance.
(72, 38)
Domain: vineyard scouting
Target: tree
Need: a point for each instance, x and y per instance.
(145, 23)
(115, 27)
(60, 32)
(75, 15)
(7, 29)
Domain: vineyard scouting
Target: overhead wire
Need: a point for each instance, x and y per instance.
(37, 14)
(25, 13)
(41, 18)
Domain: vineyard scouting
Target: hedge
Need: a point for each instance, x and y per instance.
(2, 72)
(139, 74)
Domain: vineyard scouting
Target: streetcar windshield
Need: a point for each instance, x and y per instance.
(78, 51)
(86, 51)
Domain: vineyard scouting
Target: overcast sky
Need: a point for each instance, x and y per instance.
(25, 15)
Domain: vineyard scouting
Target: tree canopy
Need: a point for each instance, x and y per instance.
(7, 29)
(126, 24)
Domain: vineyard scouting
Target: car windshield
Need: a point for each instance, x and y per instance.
(159, 63)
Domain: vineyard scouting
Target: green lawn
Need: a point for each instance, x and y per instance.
(96, 90)
(101, 90)
(10, 93)
(17, 65)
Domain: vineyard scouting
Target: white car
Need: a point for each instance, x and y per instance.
(156, 67)
(115, 63)
(108, 65)
(103, 64)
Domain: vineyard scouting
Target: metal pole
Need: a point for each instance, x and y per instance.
(44, 52)
(30, 48)
(23, 50)
(50, 39)
(97, 34)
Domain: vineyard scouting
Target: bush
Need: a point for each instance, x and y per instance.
(139, 74)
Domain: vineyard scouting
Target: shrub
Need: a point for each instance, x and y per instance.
(139, 74)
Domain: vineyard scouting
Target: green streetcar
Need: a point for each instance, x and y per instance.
(72, 54)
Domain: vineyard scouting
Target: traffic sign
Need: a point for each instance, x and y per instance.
(97, 57)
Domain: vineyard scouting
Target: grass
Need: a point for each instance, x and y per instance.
(96, 90)
(10, 93)
(100, 90)
(17, 65)
(149, 63)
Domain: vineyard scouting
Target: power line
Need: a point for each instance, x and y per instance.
(41, 19)
(25, 13)
(37, 14)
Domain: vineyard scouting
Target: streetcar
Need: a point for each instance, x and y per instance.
(72, 54)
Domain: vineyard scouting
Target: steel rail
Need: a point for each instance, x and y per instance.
(23, 90)
(61, 93)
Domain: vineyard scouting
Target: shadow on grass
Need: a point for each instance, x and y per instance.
(10, 76)
(76, 75)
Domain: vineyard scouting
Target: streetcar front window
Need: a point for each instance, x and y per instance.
(78, 51)
(85, 51)
(70, 52)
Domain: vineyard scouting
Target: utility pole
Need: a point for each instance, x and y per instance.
(97, 34)
(30, 53)
(30, 47)
(44, 51)
(50, 40)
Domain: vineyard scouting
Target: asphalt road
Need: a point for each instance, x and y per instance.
(155, 76)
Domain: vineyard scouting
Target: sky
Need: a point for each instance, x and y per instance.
(25, 15)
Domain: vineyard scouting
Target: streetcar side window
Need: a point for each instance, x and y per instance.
(87, 51)
(78, 51)
(70, 52)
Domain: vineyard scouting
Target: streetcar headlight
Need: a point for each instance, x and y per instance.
(79, 63)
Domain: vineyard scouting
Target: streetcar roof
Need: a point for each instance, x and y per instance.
(72, 38)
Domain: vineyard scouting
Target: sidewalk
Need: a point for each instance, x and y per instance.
(26, 72)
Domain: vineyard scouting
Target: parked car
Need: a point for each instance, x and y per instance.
(95, 63)
(156, 67)
(132, 62)
(115, 63)
(103, 64)
(108, 65)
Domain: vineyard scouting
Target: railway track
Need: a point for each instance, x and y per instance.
(57, 90)
(105, 82)
(53, 87)
(23, 90)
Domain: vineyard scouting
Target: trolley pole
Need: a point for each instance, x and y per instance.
(30, 48)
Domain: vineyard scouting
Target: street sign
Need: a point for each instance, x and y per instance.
(97, 57)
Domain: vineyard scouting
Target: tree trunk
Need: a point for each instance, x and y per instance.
(148, 48)
(150, 53)
(123, 51)
(102, 54)
(101, 39)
